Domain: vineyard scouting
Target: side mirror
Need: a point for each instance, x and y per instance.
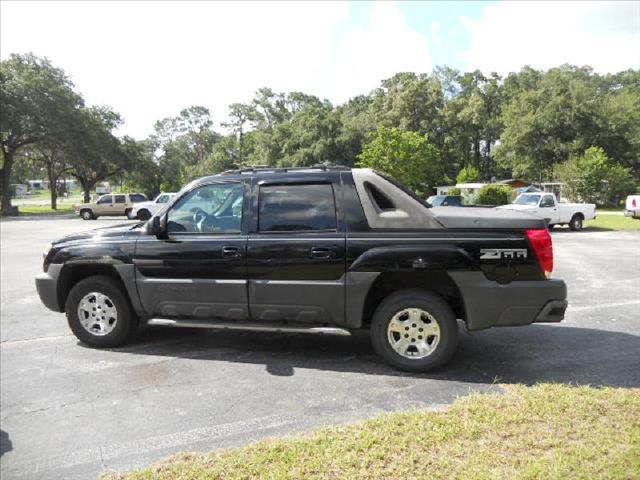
(157, 227)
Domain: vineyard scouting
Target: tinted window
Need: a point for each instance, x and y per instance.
(547, 201)
(120, 199)
(297, 207)
(215, 208)
(380, 200)
(137, 197)
(105, 199)
(454, 201)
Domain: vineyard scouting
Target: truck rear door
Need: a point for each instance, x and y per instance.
(296, 251)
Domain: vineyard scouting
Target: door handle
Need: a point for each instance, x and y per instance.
(231, 252)
(321, 252)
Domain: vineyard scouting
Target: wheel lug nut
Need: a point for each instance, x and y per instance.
(420, 329)
(406, 335)
(414, 325)
(419, 337)
(413, 339)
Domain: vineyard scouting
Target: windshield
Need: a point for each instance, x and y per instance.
(435, 200)
(527, 200)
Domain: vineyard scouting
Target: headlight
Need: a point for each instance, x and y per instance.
(46, 251)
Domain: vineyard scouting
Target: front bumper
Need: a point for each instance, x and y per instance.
(490, 304)
(47, 287)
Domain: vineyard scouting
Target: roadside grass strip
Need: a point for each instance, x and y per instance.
(548, 431)
(612, 222)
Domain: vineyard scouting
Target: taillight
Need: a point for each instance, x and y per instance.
(633, 203)
(540, 241)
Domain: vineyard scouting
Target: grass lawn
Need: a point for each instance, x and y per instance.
(44, 209)
(612, 222)
(547, 431)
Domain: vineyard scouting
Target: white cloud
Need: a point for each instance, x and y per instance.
(366, 55)
(546, 34)
(149, 60)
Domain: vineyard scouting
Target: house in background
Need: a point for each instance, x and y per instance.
(38, 184)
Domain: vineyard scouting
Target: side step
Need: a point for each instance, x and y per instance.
(259, 327)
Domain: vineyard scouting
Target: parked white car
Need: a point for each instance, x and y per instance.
(145, 210)
(545, 205)
(632, 206)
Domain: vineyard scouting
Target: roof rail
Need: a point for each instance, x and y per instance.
(263, 168)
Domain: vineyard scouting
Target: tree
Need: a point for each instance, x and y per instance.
(550, 120)
(37, 103)
(95, 154)
(468, 174)
(493, 195)
(185, 142)
(592, 178)
(406, 156)
(50, 153)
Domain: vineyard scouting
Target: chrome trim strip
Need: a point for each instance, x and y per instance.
(168, 322)
(212, 281)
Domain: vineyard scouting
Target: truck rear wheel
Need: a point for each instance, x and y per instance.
(575, 223)
(414, 331)
(99, 313)
(87, 214)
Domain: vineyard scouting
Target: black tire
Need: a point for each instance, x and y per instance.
(126, 320)
(144, 215)
(87, 214)
(575, 223)
(550, 226)
(437, 308)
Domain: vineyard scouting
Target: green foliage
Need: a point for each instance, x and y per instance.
(454, 191)
(406, 156)
(421, 128)
(591, 177)
(37, 104)
(493, 195)
(468, 174)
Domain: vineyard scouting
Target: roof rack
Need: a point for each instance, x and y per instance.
(264, 169)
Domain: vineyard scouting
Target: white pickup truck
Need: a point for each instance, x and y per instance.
(545, 205)
(632, 206)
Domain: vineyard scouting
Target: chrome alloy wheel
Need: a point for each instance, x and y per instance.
(413, 333)
(97, 314)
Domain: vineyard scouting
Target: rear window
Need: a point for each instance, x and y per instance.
(137, 197)
(120, 199)
(309, 207)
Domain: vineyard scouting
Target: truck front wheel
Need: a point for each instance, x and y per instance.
(414, 331)
(99, 313)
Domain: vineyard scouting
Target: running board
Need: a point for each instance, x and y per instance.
(168, 322)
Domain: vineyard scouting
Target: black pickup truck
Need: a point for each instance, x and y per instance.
(310, 250)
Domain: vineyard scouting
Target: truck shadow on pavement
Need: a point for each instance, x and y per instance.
(527, 355)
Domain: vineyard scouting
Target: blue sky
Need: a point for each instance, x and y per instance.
(148, 60)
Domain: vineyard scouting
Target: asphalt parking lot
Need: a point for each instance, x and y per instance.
(70, 412)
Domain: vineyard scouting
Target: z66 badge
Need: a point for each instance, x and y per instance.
(502, 253)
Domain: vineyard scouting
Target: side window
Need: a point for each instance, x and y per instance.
(379, 199)
(208, 209)
(137, 197)
(309, 207)
(162, 199)
(105, 199)
(120, 199)
(547, 201)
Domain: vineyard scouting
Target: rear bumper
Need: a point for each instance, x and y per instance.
(632, 213)
(490, 304)
(47, 287)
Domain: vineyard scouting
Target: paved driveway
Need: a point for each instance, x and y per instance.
(70, 412)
